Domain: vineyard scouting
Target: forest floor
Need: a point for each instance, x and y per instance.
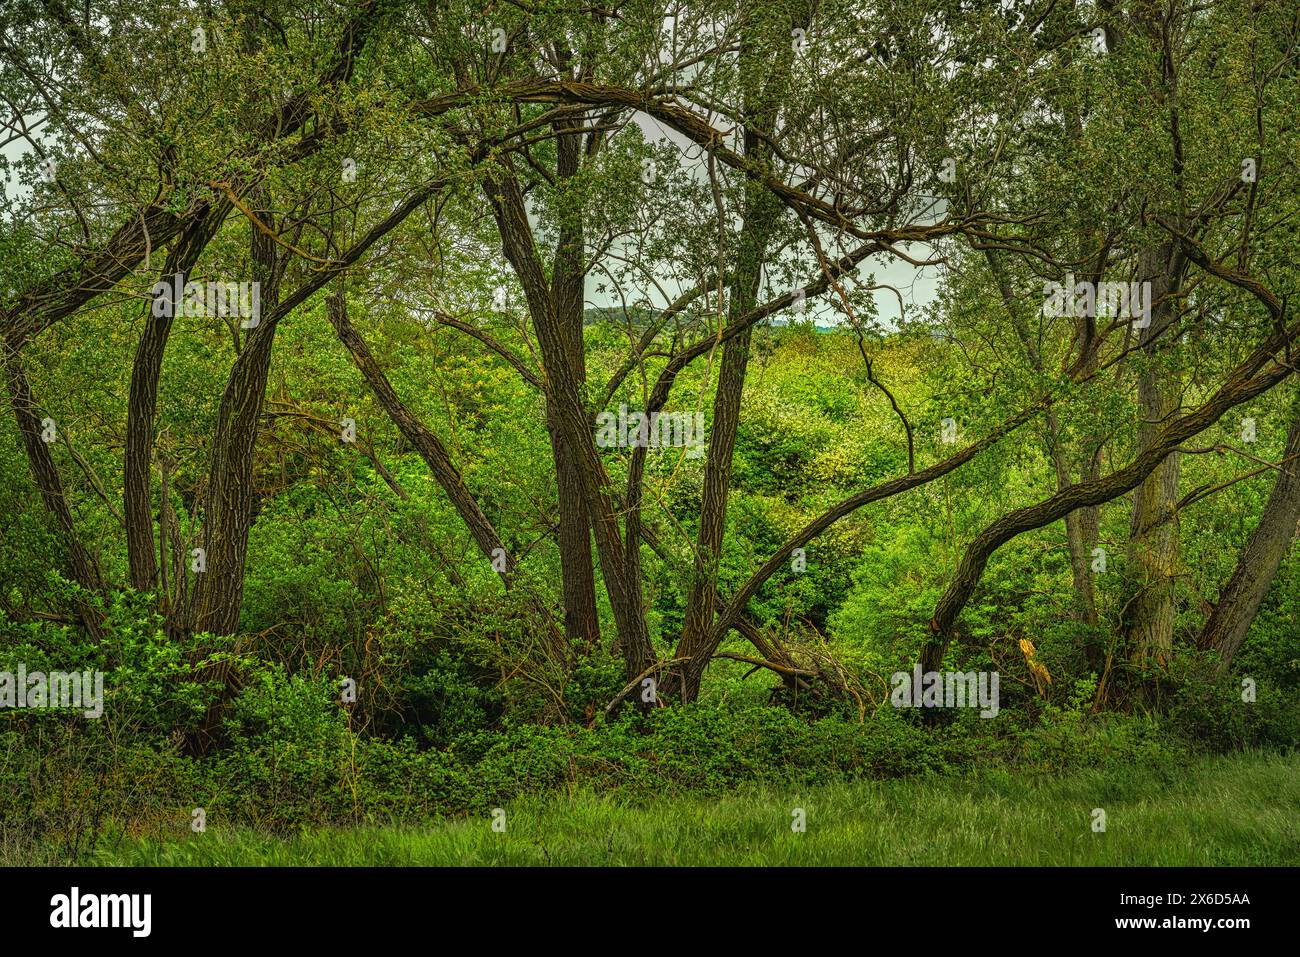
(1236, 810)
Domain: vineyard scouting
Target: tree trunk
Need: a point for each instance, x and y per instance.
(577, 569)
(1153, 530)
(142, 404)
(701, 601)
(564, 397)
(435, 455)
(760, 215)
(1258, 564)
(83, 568)
(568, 298)
(228, 504)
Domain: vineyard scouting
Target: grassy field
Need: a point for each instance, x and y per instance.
(1239, 810)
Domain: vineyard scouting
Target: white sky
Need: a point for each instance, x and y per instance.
(917, 286)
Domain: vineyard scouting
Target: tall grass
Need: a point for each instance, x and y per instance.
(1237, 810)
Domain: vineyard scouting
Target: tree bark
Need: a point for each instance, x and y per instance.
(762, 100)
(1249, 584)
(83, 568)
(228, 504)
(568, 298)
(142, 403)
(1153, 530)
(1245, 383)
(564, 396)
(695, 644)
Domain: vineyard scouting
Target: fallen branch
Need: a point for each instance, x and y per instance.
(760, 663)
(636, 682)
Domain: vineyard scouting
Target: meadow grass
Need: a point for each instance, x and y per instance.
(1237, 810)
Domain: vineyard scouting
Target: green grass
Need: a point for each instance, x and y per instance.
(1238, 810)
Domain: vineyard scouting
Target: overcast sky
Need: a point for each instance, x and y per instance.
(917, 286)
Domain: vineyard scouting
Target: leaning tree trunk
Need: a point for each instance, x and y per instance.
(435, 455)
(1258, 564)
(82, 566)
(1253, 377)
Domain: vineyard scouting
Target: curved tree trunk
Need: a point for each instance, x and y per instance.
(142, 403)
(1245, 383)
(1258, 564)
(83, 567)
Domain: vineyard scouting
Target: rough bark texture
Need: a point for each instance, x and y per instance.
(695, 644)
(759, 217)
(568, 288)
(768, 646)
(70, 289)
(1153, 532)
(83, 568)
(1246, 382)
(1257, 567)
(228, 504)
(142, 404)
(564, 396)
